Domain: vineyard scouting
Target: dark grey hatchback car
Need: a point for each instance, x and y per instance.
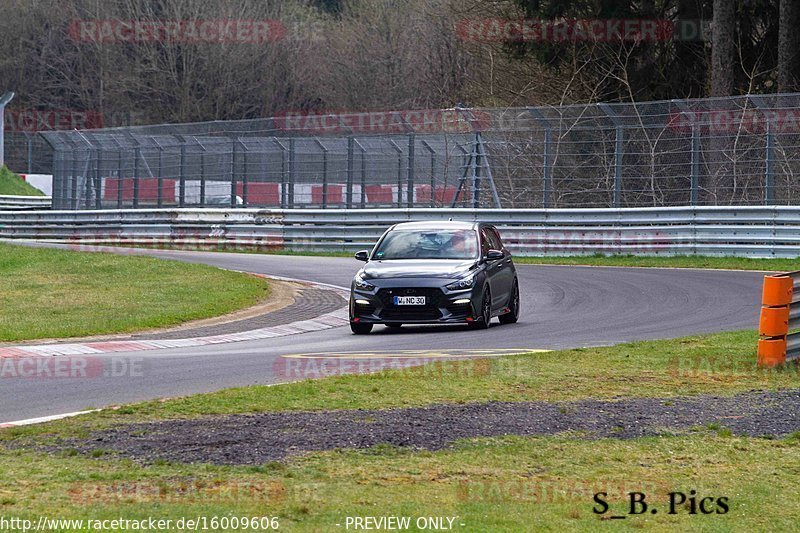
(435, 273)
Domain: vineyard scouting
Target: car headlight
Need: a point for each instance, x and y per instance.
(461, 284)
(363, 285)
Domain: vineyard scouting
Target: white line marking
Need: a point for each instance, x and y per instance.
(42, 419)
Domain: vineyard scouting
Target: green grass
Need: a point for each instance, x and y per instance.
(682, 261)
(499, 484)
(58, 293)
(722, 363)
(491, 484)
(11, 184)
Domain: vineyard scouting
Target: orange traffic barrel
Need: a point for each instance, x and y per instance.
(777, 291)
(771, 352)
(774, 321)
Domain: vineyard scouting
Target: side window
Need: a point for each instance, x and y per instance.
(497, 238)
(485, 241)
(492, 240)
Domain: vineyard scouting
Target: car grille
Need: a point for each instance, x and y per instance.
(413, 313)
(429, 311)
(432, 295)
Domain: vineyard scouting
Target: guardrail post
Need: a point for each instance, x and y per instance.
(547, 172)
(766, 107)
(88, 172)
(29, 140)
(292, 154)
(88, 179)
(476, 174)
(349, 191)
(160, 175)
(73, 201)
(324, 172)
(233, 174)
(618, 152)
(137, 152)
(769, 166)
(363, 202)
(244, 174)
(695, 164)
(98, 182)
(284, 173)
(57, 173)
(399, 172)
(547, 175)
(4, 100)
(433, 171)
(182, 173)
(694, 177)
(410, 184)
(618, 147)
(120, 158)
(773, 328)
(202, 173)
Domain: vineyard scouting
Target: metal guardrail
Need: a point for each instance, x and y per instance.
(25, 202)
(780, 314)
(712, 231)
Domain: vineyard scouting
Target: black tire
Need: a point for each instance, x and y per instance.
(396, 325)
(486, 312)
(360, 329)
(513, 303)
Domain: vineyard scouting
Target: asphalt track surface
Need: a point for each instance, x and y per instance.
(562, 307)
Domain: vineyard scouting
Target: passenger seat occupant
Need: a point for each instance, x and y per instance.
(462, 245)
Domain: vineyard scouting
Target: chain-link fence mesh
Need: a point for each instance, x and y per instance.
(723, 151)
(27, 152)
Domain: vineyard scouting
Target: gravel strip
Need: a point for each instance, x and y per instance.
(309, 303)
(255, 439)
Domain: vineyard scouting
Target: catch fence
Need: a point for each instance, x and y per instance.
(722, 151)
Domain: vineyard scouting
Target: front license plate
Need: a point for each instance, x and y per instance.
(409, 300)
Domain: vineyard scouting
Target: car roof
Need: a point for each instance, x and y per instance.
(436, 224)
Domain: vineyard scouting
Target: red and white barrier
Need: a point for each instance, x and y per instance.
(43, 182)
(148, 189)
(270, 194)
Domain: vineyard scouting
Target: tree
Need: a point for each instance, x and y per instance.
(789, 47)
(722, 48)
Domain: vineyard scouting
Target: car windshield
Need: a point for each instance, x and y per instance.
(428, 244)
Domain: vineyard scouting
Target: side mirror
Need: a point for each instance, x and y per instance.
(362, 255)
(494, 255)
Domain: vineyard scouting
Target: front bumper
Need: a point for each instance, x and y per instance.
(441, 306)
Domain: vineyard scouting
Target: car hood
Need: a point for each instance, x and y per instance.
(418, 268)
